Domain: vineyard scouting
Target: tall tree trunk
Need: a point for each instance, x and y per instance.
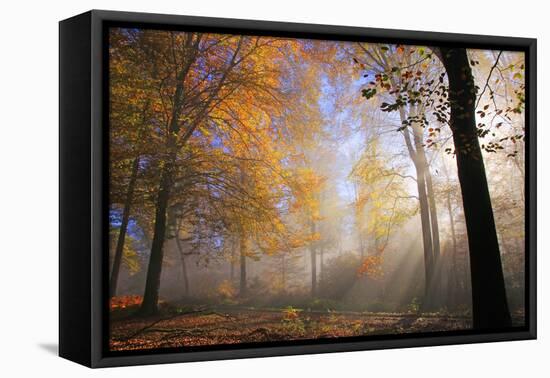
(313, 255)
(242, 237)
(283, 273)
(119, 251)
(152, 282)
(242, 245)
(452, 224)
(358, 217)
(423, 204)
(453, 269)
(432, 289)
(232, 264)
(421, 170)
(436, 293)
(322, 263)
(433, 215)
(183, 264)
(436, 288)
(422, 161)
(489, 303)
(426, 233)
(149, 305)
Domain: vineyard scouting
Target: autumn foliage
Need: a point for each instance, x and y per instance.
(265, 179)
(125, 301)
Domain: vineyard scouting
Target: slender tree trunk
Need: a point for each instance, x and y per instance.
(423, 204)
(421, 171)
(452, 224)
(242, 238)
(313, 255)
(322, 263)
(453, 273)
(489, 303)
(358, 223)
(183, 265)
(426, 232)
(242, 245)
(149, 305)
(433, 216)
(436, 288)
(422, 160)
(433, 285)
(119, 251)
(152, 282)
(283, 273)
(232, 264)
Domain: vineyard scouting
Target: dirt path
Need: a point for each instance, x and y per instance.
(230, 326)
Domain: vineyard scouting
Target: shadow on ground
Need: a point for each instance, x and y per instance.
(51, 348)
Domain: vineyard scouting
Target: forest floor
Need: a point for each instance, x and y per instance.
(231, 325)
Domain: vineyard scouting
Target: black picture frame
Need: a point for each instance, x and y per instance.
(83, 184)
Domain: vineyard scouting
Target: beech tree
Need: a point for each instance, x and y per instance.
(400, 72)
(490, 305)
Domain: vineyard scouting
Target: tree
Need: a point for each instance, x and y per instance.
(256, 159)
(382, 202)
(400, 72)
(490, 306)
(198, 93)
(130, 117)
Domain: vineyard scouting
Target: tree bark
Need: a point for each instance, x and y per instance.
(242, 245)
(421, 171)
(313, 255)
(423, 204)
(322, 263)
(242, 238)
(358, 223)
(489, 303)
(119, 251)
(152, 283)
(426, 234)
(433, 216)
(183, 264)
(436, 293)
(283, 273)
(422, 161)
(232, 263)
(453, 273)
(426, 230)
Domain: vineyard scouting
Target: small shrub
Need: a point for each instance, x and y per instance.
(415, 306)
(291, 322)
(226, 290)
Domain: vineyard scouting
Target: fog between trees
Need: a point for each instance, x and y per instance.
(321, 175)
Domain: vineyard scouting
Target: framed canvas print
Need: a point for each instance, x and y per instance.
(234, 188)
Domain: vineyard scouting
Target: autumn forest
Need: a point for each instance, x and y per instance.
(268, 189)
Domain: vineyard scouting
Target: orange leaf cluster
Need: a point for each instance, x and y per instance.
(371, 267)
(125, 301)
